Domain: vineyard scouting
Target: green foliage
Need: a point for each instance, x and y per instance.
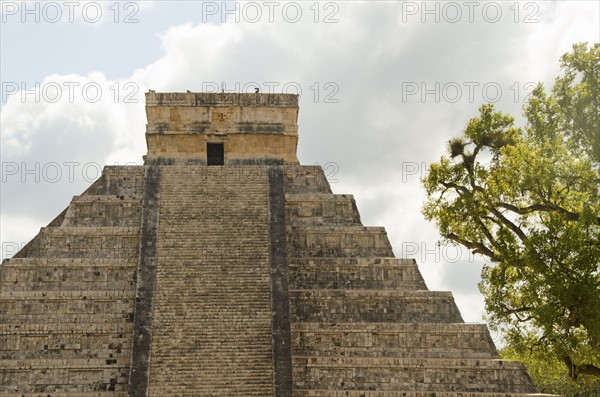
(577, 95)
(551, 377)
(528, 200)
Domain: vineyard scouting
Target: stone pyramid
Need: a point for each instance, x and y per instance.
(222, 267)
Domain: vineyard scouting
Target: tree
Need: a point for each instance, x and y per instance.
(550, 376)
(528, 200)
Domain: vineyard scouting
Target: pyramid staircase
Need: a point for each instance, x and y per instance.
(252, 278)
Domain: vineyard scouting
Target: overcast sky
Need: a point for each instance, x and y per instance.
(384, 85)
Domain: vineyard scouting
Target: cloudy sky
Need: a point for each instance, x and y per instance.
(384, 85)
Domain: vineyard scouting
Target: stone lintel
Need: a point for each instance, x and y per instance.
(220, 99)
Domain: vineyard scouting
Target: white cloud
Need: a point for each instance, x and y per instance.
(192, 53)
(55, 140)
(22, 229)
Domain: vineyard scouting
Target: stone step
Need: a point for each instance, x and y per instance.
(246, 363)
(321, 209)
(46, 274)
(65, 351)
(35, 262)
(73, 306)
(370, 393)
(64, 328)
(398, 340)
(172, 315)
(305, 179)
(84, 242)
(126, 181)
(216, 279)
(69, 394)
(241, 387)
(97, 211)
(97, 295)
(94, 315)
(80, 340)
(31, 377)
(40, 308)
(123, 279)
(355, 273)
(58, 391)
(60, 365)
(359, 306)
(337, 241)
(410, 374)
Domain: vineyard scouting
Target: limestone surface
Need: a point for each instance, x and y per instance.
(230, 270)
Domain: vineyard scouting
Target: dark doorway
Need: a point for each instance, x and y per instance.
(215, 154)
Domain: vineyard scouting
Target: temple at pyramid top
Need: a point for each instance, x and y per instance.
(221, 128)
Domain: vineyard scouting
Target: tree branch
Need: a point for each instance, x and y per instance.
(515, 311)
(459, 189)
(515, 229)
(548, 207)
(478, 248)
(575, 369)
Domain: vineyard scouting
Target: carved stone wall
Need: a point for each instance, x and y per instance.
(254, 128)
